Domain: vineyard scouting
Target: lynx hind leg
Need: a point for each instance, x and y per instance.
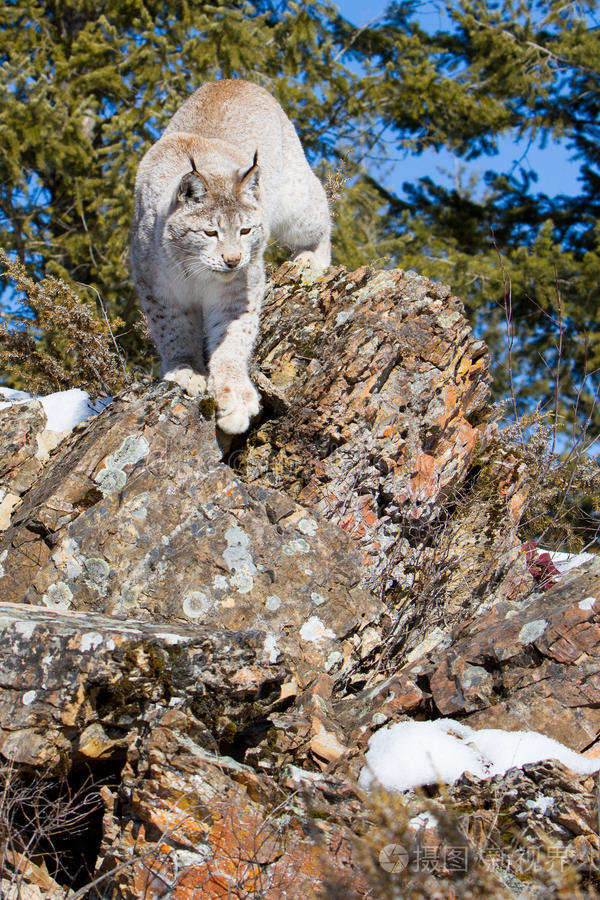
(308, 229)
(317, 259)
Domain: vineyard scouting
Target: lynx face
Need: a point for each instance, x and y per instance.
(216, 224)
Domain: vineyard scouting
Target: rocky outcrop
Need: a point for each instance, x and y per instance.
(139, 516)
(530, 664)
(379, 419)
(216, 629)
(77, 687)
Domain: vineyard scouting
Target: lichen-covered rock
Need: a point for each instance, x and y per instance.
(78, 687)
(531, 664)
(223, 627)
(374, 392)
(385, 386)
(378, 423)
(138, 515)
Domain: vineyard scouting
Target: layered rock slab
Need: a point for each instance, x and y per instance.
(528, 665)
(377, 418)
(384, 386)
(76, 687)
(137, 515)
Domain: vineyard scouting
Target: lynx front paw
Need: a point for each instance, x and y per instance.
(236, 405)
(192, 382)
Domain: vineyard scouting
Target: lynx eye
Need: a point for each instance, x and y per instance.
(245, 230)
(211, 233)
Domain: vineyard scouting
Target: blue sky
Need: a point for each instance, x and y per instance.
(557, 173)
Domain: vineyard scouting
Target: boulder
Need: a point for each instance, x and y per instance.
(214, 628)
(79, 687)
(138, 516)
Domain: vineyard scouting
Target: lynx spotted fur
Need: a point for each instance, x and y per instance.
(228, 172)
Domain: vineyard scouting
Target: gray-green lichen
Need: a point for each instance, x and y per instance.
(112, 478)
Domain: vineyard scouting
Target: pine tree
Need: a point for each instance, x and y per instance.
(527, 69)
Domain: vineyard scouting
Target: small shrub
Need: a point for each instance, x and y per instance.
(563, 504)
(65, 345)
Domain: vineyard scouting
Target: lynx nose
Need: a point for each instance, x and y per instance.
(231, 259)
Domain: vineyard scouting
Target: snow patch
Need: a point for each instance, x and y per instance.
(64, 409)
(541, 804)
(423, 820)
(406, 755)
(564, 562)
(587, 603)
(13, 396)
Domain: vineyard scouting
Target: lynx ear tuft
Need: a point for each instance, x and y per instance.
(193, 187)
(249, 178)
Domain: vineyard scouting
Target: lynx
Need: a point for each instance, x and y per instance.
(228, 172)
